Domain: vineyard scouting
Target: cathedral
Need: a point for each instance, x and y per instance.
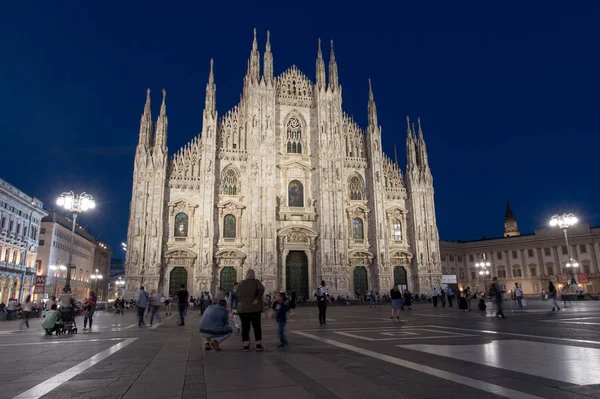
(285, 183)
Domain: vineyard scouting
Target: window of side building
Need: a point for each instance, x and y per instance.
(515, 255)
(582, 248)
(533, 272)
(547, 251)
(499, 255)
(530, 253)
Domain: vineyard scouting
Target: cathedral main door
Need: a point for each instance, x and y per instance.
(177, 277)
(400, 276)
(361, 283)
(296, 273)
(228, 278)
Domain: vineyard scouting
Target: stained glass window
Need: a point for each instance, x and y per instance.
(294, 136)
(396, 230)
(357, 190)
(229, 226)
(229, 183)
(181, 225)
(296, 194)
(357, 229)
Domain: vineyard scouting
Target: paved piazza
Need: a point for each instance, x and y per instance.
(429, 353)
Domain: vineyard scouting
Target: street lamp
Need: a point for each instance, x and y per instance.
(484, 266)
(119, 283)
(55, 270)
(124, 246)
(74, 203)
(563, 222)
(96, 277)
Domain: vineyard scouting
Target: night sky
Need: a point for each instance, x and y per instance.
(507, 94)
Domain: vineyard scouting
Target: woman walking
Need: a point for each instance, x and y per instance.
(293, 300)
(396, 297)
(27, 309)
(552, 293)
(89, 308)
(250, 305)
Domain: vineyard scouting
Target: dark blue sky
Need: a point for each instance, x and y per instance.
(508, 94)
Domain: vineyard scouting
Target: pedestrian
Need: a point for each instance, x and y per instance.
(443, 296)
(396, 296)
(564, 295)
(89, 308)
(11, 309)
(450, 295)
(293, 300)
(27, 311)
(519, 295)
(142, 303)
(496, 292)
(468, 295)
(371, 299)
(154, 306)
(322, 303)
(53, 320)
(168, 302)
(281, 308)
(552, 294)
(192, 302)
(250, 305)
(434, 297)
(183, 303)
(543, 295)
(378, 300)
(407, 300)
(214, 326)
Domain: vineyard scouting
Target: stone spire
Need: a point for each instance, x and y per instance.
(268, 61)
(422, 149)
(320, 69)
(146, 124)
(372, 107)
(162, 124)
(254, 68)
(511, 229)
(395, 155)
(411, 151)
(210, 103)
(333, 71)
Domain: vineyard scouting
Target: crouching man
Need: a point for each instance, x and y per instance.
(53, 321)
(214, 326)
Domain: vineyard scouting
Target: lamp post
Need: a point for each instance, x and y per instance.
(74, 203)
(484, 266)
(563, 222)
(97, 276)
(119, 283)
(56, 270)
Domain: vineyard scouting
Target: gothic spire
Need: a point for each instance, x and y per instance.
(411, 154)
(268, 61)
(320, 69)
(210, 102)
(254, 68)
(372, 107)
(511, 228)
(162, 124)
(422, 148)
(395, 155)
(508, 214)
(146, 123)
(333, 71)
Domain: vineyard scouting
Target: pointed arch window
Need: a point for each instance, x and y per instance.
(229, 226)
(296, 194)
(294, 136)
(357, 188)
(357, 229)
(181, 225)
(396, 230)
(229, 183)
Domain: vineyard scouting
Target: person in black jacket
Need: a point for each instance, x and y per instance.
(407, 300)
(182, 296)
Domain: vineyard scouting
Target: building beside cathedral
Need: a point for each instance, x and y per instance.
(532, 260)
(285, 183)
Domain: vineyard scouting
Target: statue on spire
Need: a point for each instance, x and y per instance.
(145, 138)
(210, 101)
(320, 68)
(268, 61)
(333, 71)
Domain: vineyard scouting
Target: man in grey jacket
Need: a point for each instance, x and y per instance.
(214, 326)
(142, 305)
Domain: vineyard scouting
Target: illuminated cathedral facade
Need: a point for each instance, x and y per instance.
(285, 183)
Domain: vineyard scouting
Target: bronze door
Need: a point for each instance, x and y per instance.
(361, 283)
(296, 273)
(177, 277)
(228, 278)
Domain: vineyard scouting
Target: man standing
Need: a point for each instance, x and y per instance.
(183, 302)
(496, 292)
(519, 295)
(322, 303)
(155, 306)
(434, 297)
(450, 295)
(142, 303)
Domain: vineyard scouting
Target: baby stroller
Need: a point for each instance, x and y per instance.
(69, 324)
